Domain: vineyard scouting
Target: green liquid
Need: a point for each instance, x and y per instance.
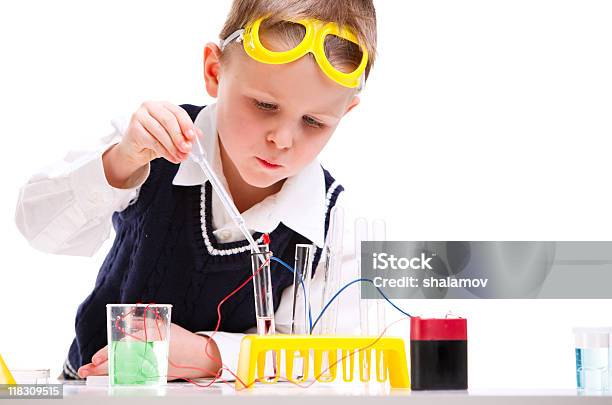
(136, 363)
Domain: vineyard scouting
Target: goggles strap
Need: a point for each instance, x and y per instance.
(236, 35)
(361, 82)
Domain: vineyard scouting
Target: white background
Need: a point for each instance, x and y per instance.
(482, 120)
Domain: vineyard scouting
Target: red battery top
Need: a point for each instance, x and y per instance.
(438, 329)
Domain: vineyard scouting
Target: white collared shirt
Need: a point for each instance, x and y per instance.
(66, 208)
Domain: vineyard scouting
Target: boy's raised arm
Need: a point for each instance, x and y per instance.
(66, 207)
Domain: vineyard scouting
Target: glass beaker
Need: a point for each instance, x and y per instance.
(138, 343)
(592, 356)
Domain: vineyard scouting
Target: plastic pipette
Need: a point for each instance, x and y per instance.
(228, 204)
(261, 280)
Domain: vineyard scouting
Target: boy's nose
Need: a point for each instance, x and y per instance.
(282, 137)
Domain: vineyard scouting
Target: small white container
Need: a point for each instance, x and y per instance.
(40, 376)
(592, 358)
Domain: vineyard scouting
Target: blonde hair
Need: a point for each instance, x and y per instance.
(358, 15)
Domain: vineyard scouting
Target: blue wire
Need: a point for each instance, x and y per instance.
(359, 280)
(276, 259)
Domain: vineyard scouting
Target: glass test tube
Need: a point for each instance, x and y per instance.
(361, 234)
(264, 305)
(333, 262)
(262, 288)
(379, 234)
(300, 324)
(304, 254)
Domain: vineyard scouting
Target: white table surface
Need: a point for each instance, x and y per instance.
(339, 393)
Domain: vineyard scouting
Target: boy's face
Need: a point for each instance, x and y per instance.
(273, 120)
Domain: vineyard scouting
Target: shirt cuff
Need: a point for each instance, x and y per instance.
(92, 190)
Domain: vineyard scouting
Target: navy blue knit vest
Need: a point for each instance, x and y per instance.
(165, 252)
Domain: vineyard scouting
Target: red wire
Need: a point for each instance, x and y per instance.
(206, 352)
(216, 360)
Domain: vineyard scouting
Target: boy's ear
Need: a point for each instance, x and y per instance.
(212, 64)
(352, 104)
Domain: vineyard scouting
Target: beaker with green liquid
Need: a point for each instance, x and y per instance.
(138, 340)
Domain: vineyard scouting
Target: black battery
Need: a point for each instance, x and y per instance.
(438, 354)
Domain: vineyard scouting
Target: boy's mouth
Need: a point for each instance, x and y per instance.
(268, 164)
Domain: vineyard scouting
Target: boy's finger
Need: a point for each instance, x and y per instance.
(171, 124)
(187, 126)
(100, 356)
(148, 141)
(160, 151)
(90, 369)
(83, 371)
(159, 134)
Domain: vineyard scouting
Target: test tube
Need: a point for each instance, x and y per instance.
(361, 234)
(379, 234)
(333, 261)
(300, 324)
(332, 265)
(301, 289)
(264, 305)
(262, 288)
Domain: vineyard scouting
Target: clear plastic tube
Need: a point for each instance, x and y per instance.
(264, 309)
(228, 203)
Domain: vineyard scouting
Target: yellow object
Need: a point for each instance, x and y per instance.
(390, 359)
(313, 42)
(5, 375)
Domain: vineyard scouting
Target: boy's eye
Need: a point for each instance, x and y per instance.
(308, 120)
(265, 106)
(312, 122)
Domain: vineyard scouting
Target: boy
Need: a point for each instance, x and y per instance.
(174, 243)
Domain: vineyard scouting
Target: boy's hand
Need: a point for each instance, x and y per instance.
(186, 350)
(156, 129)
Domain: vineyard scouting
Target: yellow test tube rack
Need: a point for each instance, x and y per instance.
(390, 358)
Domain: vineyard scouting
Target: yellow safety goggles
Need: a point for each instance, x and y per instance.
(313, 42)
